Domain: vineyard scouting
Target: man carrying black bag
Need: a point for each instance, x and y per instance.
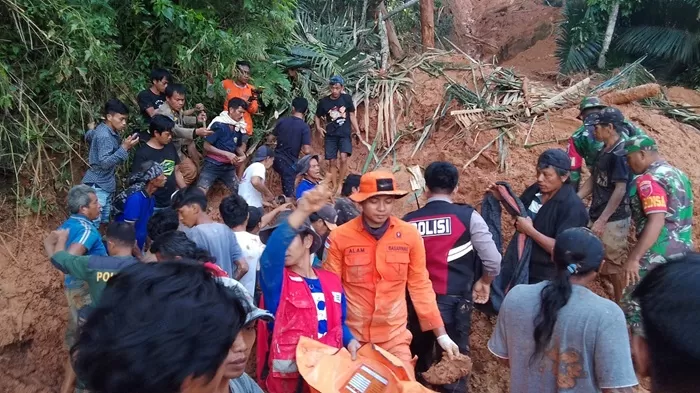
(458, 245)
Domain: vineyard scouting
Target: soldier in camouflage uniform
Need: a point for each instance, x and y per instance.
(661, 199)
(584, 147)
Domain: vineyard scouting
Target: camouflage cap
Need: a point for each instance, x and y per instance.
(591, 102)
(588, 103)
(640, 142)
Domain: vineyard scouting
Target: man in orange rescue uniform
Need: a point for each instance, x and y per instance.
(239, 87)
(377, 256)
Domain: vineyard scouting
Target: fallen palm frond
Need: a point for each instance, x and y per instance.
(676, 112)
(633, 74)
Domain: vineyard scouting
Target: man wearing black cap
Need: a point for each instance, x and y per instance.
(583, 147)
(552, 206)
(609, 212)
(293, 136)
(334, 110)
(252, 187)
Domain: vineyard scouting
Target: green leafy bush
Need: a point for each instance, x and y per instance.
(60, 60)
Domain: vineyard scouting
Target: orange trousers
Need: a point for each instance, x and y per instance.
(400, 346)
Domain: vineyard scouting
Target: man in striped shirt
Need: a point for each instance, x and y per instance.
(458, 246)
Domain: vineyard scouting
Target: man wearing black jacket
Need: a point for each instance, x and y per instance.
(552, 207)
(458, 245)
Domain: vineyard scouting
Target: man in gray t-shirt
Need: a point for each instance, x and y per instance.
(221, 243)
(589, 350)
(217, 238)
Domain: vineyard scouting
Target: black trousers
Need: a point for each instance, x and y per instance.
(456, 313)
(288, 174)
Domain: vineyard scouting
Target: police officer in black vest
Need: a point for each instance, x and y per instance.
(457, 242)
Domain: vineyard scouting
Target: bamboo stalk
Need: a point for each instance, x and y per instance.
(366, 111)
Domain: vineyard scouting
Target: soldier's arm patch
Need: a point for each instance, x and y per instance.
(652, 195)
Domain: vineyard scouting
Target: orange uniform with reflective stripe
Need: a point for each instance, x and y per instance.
(375, 275)
(234, 91)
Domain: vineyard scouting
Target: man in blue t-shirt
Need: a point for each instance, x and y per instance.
(293, 136)
(223, 148)
(310, 169)
(83, 239)
(137, 203)
(338, 112)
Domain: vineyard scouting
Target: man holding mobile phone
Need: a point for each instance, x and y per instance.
(107, 151)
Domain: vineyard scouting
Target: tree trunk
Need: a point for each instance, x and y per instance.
(609, 34)
(427, 24)
(394, 44)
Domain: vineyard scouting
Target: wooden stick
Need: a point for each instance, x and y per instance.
(461, 51)
(483, 149)
(400, 8)
(545, 142)
(527, 137)
(480, 40)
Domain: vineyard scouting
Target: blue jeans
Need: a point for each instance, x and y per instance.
(105, 199)
(212, 172)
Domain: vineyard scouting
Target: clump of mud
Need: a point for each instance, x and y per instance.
(448, 371)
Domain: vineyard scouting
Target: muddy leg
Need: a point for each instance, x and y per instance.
(68, 385)
(343, 172)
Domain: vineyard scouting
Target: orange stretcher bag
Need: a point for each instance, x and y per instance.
(330, 370)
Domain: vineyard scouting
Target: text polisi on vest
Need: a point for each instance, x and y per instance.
(434, 227)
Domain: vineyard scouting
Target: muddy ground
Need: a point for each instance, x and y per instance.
(33, 307)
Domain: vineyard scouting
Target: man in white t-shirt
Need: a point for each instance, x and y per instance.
(234, 213)
(252, 187)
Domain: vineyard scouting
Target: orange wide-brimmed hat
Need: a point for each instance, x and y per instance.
(377, 183)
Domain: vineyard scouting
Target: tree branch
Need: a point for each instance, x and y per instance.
(400, 8)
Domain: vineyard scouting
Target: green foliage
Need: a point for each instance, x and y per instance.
(579, 39)
(662, 42)
(60, 60)
(407, 22)
(667, 32)
(670, 35)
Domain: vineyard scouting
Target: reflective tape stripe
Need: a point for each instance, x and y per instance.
(284, 366)
(459, 249)
(461, 253)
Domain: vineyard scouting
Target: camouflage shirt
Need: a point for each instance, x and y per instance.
(664, 189)
(588, 147)
(584, 147)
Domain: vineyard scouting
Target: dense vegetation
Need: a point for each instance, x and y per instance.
(666, 31)
(60, 60)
